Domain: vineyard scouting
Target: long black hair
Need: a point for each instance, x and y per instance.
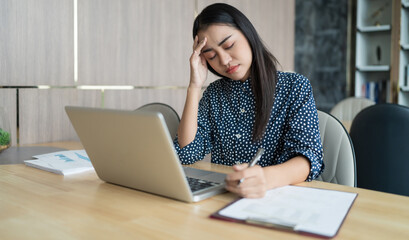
(263, 71)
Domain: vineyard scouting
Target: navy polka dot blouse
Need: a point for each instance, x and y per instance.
(226, 117)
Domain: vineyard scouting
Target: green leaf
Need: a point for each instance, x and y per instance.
(4, 137)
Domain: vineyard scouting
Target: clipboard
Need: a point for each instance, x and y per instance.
(308, 211)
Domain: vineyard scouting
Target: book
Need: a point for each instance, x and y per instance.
(305, 210)
(375, 91)
(63, 162)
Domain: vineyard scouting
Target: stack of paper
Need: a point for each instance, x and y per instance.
(64, 162)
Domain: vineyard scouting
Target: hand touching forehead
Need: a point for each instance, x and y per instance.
(227, 51)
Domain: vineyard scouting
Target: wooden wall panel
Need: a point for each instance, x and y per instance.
(36, 42)
(132, 99)
(274, 22)
(126, 42)
(42, 114)
(8, 103)
(139, 43)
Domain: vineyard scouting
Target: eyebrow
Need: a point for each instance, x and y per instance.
(220, 43)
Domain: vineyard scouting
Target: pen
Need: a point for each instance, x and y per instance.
(254, 160)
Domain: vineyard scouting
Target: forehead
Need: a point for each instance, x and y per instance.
(217, 32)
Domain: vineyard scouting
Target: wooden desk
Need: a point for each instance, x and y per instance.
(17, 154)
(43, 205)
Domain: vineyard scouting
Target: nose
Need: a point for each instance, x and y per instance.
(224, 58)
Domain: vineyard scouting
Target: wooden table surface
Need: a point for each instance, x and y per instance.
(36, 204)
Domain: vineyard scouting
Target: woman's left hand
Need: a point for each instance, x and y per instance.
(254, 184)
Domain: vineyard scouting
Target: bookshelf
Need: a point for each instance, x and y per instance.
(375, 50)
(403, 98)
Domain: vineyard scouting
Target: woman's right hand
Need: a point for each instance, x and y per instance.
(198, 66)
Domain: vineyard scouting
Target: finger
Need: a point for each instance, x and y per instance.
(254, 195)
(232, 183)
(195, 42)
(235, 176)
(243, 171)
(251, 182)
(240, 167)
(246, 191)
(233, 187)
(236, 187)
(200, 46)
(203, 60)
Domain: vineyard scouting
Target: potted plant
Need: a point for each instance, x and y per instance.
(4, 139)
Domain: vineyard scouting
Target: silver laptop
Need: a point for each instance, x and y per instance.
(134, 149)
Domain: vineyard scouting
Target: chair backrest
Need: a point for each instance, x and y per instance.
(348, 108)
(339, 156)
(380, 134)
(171, 116)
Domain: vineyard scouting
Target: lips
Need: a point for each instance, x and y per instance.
(232, 69)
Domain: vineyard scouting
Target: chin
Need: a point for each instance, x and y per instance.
(236, 77)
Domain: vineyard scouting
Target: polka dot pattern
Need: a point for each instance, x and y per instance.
(226, 117)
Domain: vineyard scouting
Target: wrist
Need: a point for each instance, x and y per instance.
(194, 88)
(196, 81)
(194, 94)
(275, 177)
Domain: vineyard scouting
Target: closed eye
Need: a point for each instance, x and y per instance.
(229, 47)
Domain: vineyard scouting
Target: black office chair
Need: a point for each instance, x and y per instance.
(380, 134)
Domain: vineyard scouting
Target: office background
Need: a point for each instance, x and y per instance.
(322, 36)
(126, 53)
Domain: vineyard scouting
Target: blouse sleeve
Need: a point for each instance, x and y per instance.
(303, 135)
(201, 145)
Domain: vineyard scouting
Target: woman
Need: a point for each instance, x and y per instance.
(252, 106)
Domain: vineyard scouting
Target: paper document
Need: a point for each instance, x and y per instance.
(311, 210)
(63, 162)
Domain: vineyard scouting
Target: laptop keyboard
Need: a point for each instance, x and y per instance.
(199, 184)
